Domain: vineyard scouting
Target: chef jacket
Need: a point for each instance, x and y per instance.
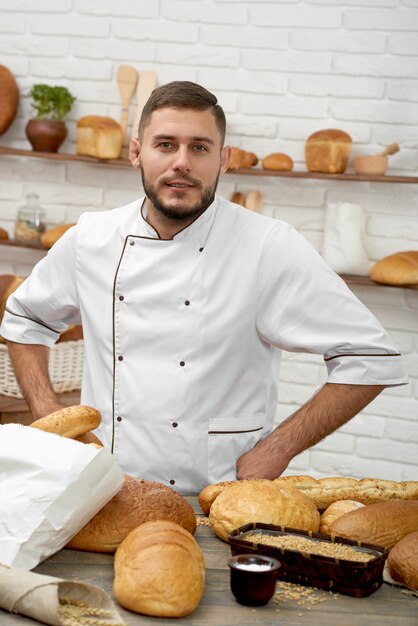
(183, 337)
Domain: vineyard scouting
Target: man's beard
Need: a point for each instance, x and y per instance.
(180, 213)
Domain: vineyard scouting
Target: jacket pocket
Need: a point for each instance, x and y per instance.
(228, 438)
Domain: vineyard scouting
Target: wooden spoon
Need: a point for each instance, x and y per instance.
(127, 79)
(146, 83)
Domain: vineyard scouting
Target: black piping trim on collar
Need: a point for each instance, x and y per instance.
(58, 332)
(337, 356)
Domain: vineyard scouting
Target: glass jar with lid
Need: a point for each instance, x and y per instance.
(30, 221)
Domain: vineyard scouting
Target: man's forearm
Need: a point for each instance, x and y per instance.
(331, 407)
(30, 364)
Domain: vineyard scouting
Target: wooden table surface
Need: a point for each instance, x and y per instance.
(388, 605)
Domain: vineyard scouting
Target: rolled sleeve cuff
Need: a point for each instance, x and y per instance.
(367, 369)
(20, 329)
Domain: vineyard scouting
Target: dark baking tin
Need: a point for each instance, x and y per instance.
(338, 575)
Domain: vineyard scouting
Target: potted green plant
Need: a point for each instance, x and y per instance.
(47, 130)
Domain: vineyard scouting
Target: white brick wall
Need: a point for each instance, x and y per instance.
(282, 70)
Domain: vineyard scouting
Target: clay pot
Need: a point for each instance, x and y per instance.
(45, 135)
(370, 165)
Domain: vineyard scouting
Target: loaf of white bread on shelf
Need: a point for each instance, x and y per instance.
(8, 284)
(397, 269)
(277, 161)
(159, 570)
(99, 137)
(325, 491)
(264, 501)
(403, 561)
(328, 151)
(137, 502)
(241, 158)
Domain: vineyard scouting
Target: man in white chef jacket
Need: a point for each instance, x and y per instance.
(186, 301)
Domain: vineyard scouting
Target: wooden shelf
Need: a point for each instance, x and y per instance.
(255, 171)
(350, 279)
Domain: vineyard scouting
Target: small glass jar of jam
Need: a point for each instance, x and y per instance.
(30, 221)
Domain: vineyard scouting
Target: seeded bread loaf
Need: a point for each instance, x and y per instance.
(70, 422)
(137, 502)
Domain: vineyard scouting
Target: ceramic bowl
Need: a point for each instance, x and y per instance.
(253, 578)
(373, 165)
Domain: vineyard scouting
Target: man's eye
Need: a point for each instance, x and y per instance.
(200, 148)
(165, 145)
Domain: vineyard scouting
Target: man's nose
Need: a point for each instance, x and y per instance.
(181, 161)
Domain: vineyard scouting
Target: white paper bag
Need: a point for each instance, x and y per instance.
(343, 247)
(50, 487)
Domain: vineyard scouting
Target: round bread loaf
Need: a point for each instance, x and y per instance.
(70, 422)
(262, 501)
(9, 98)
(159, 571)
(4, 235)
(383, 524)
(237, 157)
(397, 269)
(277, 161)
(403, 561)
(328, 151)
(53, 234)
(334, 511)
(238, 198)
(137, 502)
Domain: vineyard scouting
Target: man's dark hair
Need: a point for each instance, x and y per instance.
(183, 94)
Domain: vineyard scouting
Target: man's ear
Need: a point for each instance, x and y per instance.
(134, 151)
(225, 158)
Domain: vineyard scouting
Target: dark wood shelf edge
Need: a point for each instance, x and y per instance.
(255, 171)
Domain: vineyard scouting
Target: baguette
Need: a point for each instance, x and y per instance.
(70, 422)
(384, 523)
(403, 561)
(325, 491)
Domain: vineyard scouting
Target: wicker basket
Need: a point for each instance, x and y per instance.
(65, 368)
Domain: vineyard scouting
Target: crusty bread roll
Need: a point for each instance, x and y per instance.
(241, 158)
(384, 523)
(277, 161)
(53, 234)
(70, 422)
(325, 491)
(137, 502)
(99, 137)
(403, 561)
(261, 501)
(238, 198)
(159, 571)
(73, 333)
(89, 438)
(209, 493)
(397, 269)
(334, 511)
(4, 234)
(328, 151)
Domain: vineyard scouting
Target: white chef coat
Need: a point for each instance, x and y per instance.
(183, 337)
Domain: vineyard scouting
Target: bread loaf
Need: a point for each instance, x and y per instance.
(397, 269)
(73, 333)
(325, 491)
(137, 502)
(403, 561)
(334, 511)
(384, 523)
(4, 235)
(9, 98)
(8, 284)
(328, 151)
(241, 158)
(261, 501)
(53, 234)
(277, 161)
(159, 571)
(70, 422)
(99, 137)
(238, 198)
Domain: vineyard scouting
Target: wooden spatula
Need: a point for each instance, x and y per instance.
(127, 80)
(146, 83)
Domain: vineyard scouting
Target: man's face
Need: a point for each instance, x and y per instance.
(181, 160)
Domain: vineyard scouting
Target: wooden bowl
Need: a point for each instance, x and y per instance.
(373, 165)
